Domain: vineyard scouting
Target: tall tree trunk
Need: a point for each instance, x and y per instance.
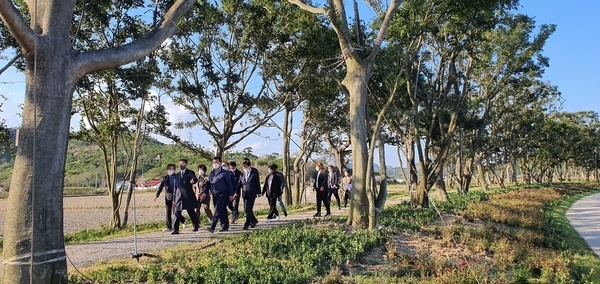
(34, 217)
(356, 82)
(383, 193)
(440, 187)
(287, 122)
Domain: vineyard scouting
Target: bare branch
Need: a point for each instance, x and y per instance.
(308, 8)
(108, 58)
(17, 25)
(389, 14)
(10, 63)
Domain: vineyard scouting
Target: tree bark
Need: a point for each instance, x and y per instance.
(287, 122)
(33, 233)
(440, 187)
(382, 194)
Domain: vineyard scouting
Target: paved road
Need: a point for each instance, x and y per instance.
(584, 216)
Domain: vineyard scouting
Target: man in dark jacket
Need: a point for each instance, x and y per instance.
(272, 190)
(184, 197)
(220, 184)
(234, 205)
(168, 183)
(322, 190)
(250, 187)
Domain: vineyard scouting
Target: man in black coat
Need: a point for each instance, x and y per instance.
(272, 190)
(234, 205)
(322, 190)
(185, 197)
(168, 183)
(250, 188)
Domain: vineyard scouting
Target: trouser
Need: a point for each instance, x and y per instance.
(180, 219)
(334, 191)
(204, 205)
(346, 197)
(169, 212)
(272, 208)
(220, 214)
(282, 205)
(234, 206)
(249, 209)
(322, 198)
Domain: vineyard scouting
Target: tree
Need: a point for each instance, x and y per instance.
(53, 68)
(214, 72)
(359, 68)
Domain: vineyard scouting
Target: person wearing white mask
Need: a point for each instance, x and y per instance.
(168, 183)
(321, 187)
(272, 190)
(203, 204)
(220, 184)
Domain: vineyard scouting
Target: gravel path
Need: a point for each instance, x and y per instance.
(88, 212)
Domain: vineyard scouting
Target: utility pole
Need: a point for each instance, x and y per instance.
(596, 165)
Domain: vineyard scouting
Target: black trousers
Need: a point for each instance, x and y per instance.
(180, 219)
(249, 209)
(322, 197)
(234, 206)
(346, 197)
(272, 208)
(220, 214)
(169, 213)
(334, 192)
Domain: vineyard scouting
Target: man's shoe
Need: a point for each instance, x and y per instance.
(317, 215)
(195, 229)
(210, 230)
(175, 233)
(245, 228)
(284, 214)
(224, 230)
(252, 225)
(277, 217)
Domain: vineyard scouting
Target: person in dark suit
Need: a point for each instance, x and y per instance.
(272, 190)
(203, 204)
(235, 204)
(333, 181)
(322, 189)
(185, 197)
(168, 183)
(250, 188)
(220, 184)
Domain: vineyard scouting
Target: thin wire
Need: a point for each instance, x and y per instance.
(35, 119)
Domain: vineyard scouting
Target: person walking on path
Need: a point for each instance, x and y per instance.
(203, 204)
(184, 197)
(220, 184)
(250, 189)
(346, 186)
(234, 205)
(333, 181)
(272, 190)
(320, 186)
(283, 187)
(168, 183)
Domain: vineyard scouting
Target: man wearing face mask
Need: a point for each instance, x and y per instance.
(220, 184)
(320, 186)
(168, 183)
(234, 205)
(272, 190)
(184, 197)
(250, 189)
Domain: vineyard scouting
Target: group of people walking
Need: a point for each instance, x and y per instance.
(225, 185)
(327, 184)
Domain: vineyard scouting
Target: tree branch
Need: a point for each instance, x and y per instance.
(10, 63)
(17, 26)
(389, 14)
(108, 58)
(308, 8)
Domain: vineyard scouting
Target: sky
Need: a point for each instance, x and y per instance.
(572, 49)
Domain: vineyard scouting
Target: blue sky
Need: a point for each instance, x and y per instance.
(572, 49)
